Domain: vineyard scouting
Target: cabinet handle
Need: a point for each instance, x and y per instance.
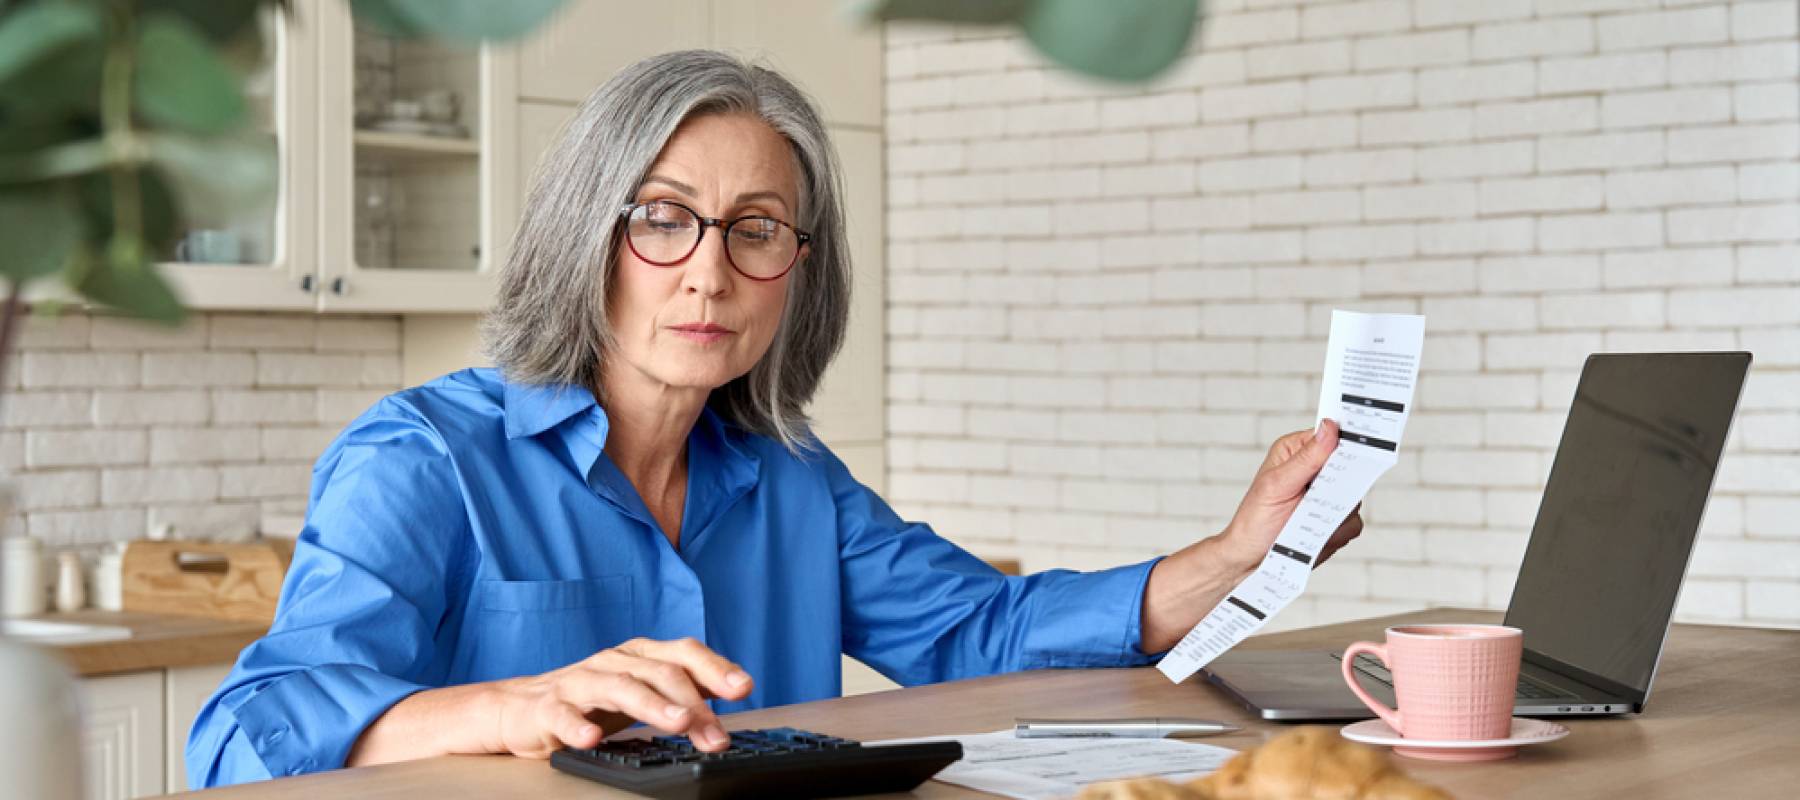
(308, 284)
(338, 287)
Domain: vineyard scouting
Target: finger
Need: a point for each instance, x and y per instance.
(1351, 528)
(589, 688)
(1284, 448)
(565, 726)
(1292, 475)
(713, 672)
(675, 683)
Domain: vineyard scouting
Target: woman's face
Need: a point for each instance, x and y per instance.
(700, 324)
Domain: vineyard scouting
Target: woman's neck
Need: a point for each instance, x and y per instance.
(648, 423)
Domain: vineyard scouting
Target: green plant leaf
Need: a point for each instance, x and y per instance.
(41, 227)
(1121, 40)
(56, 161)
(218, 180)
(985, 12)
(159, 218)
(219, 22)
(127, 280)
(59, 84)
(39, 29)
(456, 20)
(181, 82)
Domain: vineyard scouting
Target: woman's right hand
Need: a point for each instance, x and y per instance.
(661, 684)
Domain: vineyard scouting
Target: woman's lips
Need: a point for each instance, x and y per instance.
(704, 333)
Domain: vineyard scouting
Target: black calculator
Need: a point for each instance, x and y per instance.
(776, 762)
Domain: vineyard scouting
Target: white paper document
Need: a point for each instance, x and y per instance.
(1371, 367)
(1028, 769)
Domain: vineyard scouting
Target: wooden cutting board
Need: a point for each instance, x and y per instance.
(204, 579)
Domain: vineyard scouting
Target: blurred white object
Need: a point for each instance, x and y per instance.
(22, 589)
(160, 532)
(109, 579)
(40, 733)
(45, 632)
(71, 584)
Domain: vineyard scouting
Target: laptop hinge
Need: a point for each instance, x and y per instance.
(1612, 687)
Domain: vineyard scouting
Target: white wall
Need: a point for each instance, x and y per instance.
(1105, 302)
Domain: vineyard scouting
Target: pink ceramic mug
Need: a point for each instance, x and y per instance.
(1450, 681)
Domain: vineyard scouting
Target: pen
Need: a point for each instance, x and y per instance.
(1137, 727)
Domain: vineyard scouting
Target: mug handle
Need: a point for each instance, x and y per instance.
(1388, 715)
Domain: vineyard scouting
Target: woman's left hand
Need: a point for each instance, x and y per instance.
(1186, 585)
(1276, 491)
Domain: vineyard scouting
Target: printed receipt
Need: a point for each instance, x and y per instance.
(1371, 367)
(1035, 769)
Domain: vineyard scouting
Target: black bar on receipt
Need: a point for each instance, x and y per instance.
(1384, 405)
(1292, 553)
(1369, 441)
(1248, 609)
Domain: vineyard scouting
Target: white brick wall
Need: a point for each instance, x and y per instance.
(113, 426)
(1104, 300)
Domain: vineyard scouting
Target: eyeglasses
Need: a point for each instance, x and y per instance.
(665, 233)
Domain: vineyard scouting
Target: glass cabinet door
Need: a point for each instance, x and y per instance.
(261, 257)
(417, 154)
(412, 132)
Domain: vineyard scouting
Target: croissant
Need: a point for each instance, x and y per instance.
(1303, 764)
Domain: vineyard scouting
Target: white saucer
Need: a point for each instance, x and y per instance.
(1524, 731)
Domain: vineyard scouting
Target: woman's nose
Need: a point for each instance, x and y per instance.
(708, 271)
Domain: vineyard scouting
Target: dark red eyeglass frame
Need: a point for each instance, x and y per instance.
(724, 226)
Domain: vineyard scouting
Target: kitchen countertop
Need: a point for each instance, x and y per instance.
(157, 641)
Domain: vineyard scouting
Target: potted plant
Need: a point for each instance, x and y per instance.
(122, 123)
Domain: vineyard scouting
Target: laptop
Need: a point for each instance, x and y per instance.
(1603, 567)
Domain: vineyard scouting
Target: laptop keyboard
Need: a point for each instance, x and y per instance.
(1375, 671)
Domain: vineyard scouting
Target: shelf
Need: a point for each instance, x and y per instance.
(415, 146)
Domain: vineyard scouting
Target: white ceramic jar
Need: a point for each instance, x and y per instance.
(71, 584)
(22, 585)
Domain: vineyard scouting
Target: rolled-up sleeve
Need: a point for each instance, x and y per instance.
(919, 609)
(382, 557)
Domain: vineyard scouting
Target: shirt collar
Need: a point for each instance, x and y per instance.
(722, 465)
(532, 409)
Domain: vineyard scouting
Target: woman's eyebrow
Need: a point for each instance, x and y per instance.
(673, 184)
(742, 199)
(765, 194)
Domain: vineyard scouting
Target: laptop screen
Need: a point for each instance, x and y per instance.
(1621, 509)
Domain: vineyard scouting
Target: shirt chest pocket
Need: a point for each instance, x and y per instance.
(529, 627)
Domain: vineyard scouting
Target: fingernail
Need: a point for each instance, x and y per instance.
(675, 711)
(588, 730)
(717, 734)
(737, 679)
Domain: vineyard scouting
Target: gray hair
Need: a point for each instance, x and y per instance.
(549, 324)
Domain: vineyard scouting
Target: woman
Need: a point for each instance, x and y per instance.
(630, 521)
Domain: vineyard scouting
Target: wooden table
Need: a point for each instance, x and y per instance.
(1721, 723)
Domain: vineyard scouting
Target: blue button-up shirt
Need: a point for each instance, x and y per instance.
(472, 530)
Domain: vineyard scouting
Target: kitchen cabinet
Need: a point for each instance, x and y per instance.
(135, 727)
(122, 735)
(185, 689)
(587, 41)
(397, 175)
